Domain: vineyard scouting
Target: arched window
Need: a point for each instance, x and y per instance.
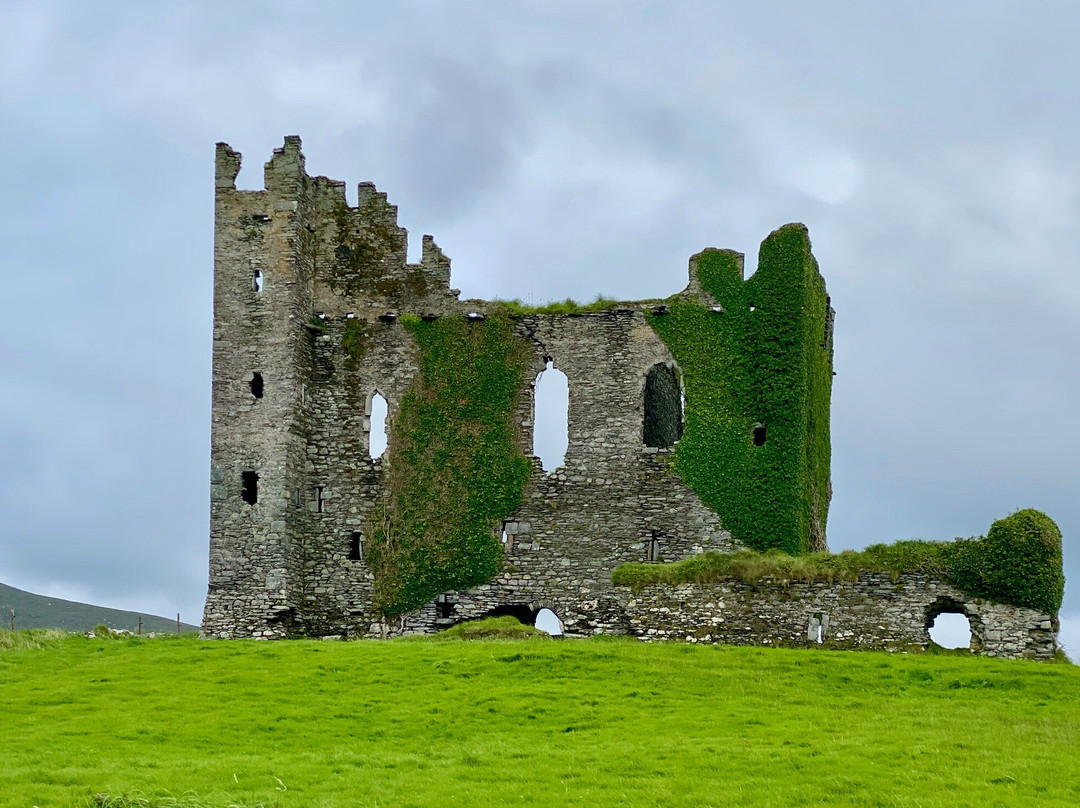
(663, 407)
(547, 620)
(377, 431)
(551, 418)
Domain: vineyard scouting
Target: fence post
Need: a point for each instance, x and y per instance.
(13, 618)
(178, 622)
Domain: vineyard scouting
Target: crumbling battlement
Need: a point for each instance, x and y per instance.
(696, 423)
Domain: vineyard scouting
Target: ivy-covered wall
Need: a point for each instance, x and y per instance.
(455, 465)
(758, 365)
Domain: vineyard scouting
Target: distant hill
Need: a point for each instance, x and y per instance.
(38, 611)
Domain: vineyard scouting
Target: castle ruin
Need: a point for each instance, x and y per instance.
(696, 424)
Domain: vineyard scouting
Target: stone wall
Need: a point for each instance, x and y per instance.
(874, 612)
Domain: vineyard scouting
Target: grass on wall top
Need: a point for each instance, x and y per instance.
(455, 463)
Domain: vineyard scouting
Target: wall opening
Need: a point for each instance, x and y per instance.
(951, 630)
(817, 628)
(759, 434)
(547, 620)
(377, 429)
(444, 608)
(256, 385)
(356, 546)
(652, 548)
(663, 407)
(249, 490)
(257, 281)
(319, 501)
(551, 435)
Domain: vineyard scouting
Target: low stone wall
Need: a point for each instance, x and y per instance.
(874, 612)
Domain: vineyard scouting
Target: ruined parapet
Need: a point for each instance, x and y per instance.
(361, 261)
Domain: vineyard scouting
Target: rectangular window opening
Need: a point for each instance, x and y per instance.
(249, 486)
(319, 502)
(444, 608)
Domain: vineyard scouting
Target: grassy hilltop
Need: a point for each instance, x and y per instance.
(527, 722)
(41, 611)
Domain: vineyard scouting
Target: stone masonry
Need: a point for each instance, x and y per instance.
(874, 612)
(292, 482)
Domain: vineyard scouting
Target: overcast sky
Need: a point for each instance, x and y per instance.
(554, 150)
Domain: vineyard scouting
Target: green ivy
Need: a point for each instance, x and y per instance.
(1018, 562)
(770, 366)
(455, 463)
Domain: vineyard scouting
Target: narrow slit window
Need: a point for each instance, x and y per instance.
(256, 385)
(377, 436)
(249, 490)
(759, 435)
(652, 548)
(319, 501)
(356, 546)
(257, 280)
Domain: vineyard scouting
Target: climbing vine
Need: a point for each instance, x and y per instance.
(455, 462)
(760, 367)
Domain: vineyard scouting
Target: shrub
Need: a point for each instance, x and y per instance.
(1018, 562)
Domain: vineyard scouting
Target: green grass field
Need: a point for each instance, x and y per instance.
(527, 722)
